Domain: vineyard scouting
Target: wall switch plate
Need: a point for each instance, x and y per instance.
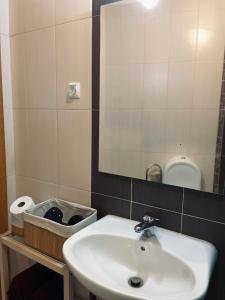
(73, 91)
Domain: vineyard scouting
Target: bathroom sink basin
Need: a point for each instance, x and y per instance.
(115, 263)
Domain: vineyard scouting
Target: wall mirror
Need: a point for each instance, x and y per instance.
(161, 93)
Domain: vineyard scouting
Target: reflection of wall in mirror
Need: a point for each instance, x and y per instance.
(161, 75)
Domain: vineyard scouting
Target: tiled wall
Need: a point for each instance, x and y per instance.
(48, 46)
(158, 66)
(7, 104)
(198, 214)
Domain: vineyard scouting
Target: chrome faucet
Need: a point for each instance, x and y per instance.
(146, 227)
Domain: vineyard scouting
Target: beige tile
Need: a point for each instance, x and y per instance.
(157, 38)
(111, 35)
(153, 131)
(27, 15)
(130, 164)
(41, 69)
(109, 160)
(178, 132)
(132, 34)
(110, 129)
(11, 189)
(206, 163)
(43, 144)
(22, 143)
(19, 76)
(34, 69)
(6, 70)
(211, 35)
(130, 130)
(75, 149)
(4, 17)
(74, 195)
(212, 5)
(183, 36)
(181, 85)
(203, 136)
(38, 190)
(110, 85)
(184, 5)
(131, 86)
(208, 83)
(68, 10)
(9, 142)
(155, 86)
(73, 42)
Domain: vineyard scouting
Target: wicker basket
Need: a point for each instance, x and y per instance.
(47, 236)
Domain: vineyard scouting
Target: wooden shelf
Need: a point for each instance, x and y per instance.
(16, 244)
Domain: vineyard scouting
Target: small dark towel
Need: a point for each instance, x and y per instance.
(27, 282)
(52, 289)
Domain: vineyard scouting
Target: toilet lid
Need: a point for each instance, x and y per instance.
(182, 172)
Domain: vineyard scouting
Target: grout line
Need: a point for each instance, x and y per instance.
(164, 209)
(47, 26)
(51, 109)
(109, 196)
(204, 219)
(182, 213)
(131, 197)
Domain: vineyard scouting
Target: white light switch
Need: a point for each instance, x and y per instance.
(73, 91)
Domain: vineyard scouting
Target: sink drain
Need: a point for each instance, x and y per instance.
(136, 282)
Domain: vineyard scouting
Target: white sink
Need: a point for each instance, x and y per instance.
(104, 255)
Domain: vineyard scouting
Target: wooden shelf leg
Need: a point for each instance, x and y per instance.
(4, 270)
(68, 286)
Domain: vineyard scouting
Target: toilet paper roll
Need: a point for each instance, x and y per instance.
(18, 207)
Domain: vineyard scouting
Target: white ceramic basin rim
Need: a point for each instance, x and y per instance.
(104, 255)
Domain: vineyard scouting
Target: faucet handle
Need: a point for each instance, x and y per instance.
(150, 218)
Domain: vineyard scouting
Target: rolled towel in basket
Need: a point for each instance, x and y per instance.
(52, 289)
(27, 282)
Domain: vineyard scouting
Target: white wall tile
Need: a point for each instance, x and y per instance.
(74, 62)
(181, 85)
(68, 10)
(75, 149)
